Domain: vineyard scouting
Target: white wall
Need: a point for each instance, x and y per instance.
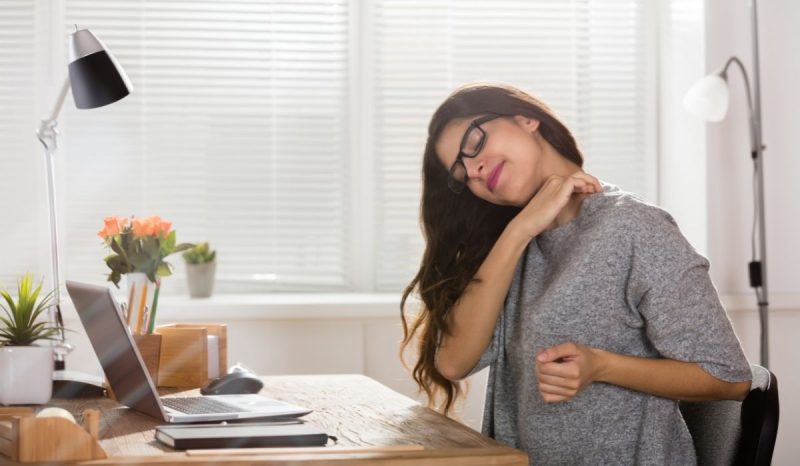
(729, 194)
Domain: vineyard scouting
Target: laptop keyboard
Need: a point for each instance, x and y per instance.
(198, 405)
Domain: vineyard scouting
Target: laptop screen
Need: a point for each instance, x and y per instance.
(114, 346)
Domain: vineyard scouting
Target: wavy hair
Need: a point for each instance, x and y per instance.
(460, 229)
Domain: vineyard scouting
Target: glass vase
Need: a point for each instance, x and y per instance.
(141, 303)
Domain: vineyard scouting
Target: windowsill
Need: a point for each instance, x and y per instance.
(349, 306)
(281, 306)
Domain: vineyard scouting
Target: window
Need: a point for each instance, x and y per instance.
(289, 134)
(585, 59)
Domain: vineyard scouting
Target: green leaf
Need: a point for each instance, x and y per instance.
(168, 244)
(21, 324)
(114, 277)
(118, 248)
(164, 270)
(183, 247)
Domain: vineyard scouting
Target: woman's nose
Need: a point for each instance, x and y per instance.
(474, 167)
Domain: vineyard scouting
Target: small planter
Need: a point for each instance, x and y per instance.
(26, 375)
(200, 278)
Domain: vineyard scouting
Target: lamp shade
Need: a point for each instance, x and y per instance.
(94, 74)
(708, 98)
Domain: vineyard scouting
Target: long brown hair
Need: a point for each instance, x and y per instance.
(460, 229)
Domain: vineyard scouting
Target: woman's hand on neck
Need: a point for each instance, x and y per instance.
(570, 212)
(556, 164)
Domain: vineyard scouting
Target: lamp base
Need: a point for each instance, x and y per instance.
(72, 384)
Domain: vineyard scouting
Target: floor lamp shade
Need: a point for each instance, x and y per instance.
(708, 98)
(95, 76)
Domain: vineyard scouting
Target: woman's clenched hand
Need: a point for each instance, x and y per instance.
(566, 369)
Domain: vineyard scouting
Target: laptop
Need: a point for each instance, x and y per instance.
(128, 376)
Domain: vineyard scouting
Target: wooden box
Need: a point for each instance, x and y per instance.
(25, 438)
(150, 349)
(183, 360)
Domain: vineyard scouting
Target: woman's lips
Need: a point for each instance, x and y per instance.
(494, 177)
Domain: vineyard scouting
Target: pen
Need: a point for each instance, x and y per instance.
(129, 307)
(152, 322)
(140, 315)
(146, 316)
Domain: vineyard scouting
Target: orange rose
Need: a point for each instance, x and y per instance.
(164, 228)
(150, 226)
(142, 227)
(113, 226)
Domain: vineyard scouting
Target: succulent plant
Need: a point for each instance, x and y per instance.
(200, 254)
(20, 324)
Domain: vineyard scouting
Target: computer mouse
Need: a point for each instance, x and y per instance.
(234, 383)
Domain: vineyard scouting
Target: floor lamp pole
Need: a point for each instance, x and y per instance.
(758, 166)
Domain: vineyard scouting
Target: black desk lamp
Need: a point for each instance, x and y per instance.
(97, 80)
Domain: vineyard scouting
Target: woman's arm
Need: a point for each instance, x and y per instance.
(565, 369)
(472, 319)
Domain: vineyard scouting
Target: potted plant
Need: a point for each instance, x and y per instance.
(139, 248)
(26, 369)
(200, 268)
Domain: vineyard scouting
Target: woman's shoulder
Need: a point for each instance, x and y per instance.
(625, 210)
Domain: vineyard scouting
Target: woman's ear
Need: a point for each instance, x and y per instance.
(527, 123)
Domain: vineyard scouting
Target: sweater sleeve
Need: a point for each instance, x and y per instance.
(670, 287)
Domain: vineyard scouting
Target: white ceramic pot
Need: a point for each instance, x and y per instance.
(201, 279)
(26, 375)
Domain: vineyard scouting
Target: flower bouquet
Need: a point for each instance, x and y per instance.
(140, 246)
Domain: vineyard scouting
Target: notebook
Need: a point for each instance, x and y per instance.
(249, 435)
(126, 373)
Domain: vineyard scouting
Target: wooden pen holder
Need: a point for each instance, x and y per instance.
(150, 349)
(25, 438)
(183, 360)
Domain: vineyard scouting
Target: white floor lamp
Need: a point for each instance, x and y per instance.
(708, 99)
(96, 80)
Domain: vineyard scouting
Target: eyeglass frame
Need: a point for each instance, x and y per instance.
(457, 186)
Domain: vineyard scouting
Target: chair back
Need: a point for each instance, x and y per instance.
(737, 433)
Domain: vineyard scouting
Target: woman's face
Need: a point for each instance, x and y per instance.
(507, 168)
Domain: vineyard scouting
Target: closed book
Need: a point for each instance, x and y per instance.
(246, 435)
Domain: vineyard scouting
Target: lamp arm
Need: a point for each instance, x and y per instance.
(755, 127)
(47, 133)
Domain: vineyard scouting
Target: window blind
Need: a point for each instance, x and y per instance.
(238, 129)
(584, 58)
(24, 227)
(236, 132)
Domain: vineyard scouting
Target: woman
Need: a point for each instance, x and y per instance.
(593, 311)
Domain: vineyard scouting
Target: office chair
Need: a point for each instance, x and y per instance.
(736, 433)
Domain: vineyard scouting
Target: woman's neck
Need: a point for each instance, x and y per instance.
(557, 164)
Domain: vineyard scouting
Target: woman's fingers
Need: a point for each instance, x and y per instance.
(558, 381)
(565, 370)
(585, 183)
(556, 390)
(554, 194)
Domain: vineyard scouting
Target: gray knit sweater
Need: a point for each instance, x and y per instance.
(620, 277)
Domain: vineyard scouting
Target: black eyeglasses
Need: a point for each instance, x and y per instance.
(471, 144)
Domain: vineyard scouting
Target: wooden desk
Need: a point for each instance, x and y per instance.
(358, 410)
